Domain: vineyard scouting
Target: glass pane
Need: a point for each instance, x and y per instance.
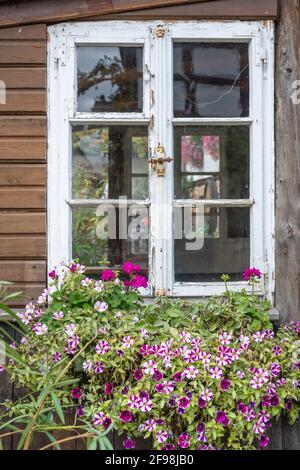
(109, 79)
(97, 236)
(222, 245)
(211, 162)
(211, 79)
(106, 161)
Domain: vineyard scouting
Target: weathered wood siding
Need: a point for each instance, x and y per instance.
(23, 52)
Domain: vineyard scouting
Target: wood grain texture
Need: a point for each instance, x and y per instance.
(18, 52)
(15, 126)
(22, 222)
(23, 271)
(24, 101)
(222, 9)
(37, 32)
(22, 246)
(22, 198)
(23, 77)
(22, 175)
(24, 149)
(50, 12)
(288, 163)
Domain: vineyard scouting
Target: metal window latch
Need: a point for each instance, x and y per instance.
(158, 162)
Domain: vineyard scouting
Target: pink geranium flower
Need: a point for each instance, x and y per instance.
(108, 275)
(251, 273)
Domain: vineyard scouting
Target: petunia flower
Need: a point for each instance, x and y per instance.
(40, 329)
(184, 441)
(58, 315)
(183, 402)
(102, 347)
(101, 306)
(161, 436)
(125, 416)
(129, 444)
(56, 357)
(207, 395)
(70, 329)
(128, 342)
(76, 393)
(216, 373)
(225, 384)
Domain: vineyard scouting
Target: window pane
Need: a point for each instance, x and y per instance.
(226, 245)
(97, 236)
(107, 160)
(211, 162)
(109, 79)
(211, 79)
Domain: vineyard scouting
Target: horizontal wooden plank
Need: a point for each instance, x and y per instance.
(21, 52)
(56, 10)
(22, 126)
(24, 101)
(23, 271)
(22, 198)
(15, 174)
(32, 32)
(23, 77)
(19, 148)
(30, 293)
(221, 9)
(22, 222)
(25, 246)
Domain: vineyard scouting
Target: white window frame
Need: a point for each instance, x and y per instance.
(158, 103)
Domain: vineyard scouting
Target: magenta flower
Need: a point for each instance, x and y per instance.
(136, 282)
(145, 405)
(76, 393)
(98, 419)
(108, 388)
(263, 441)
(168, 447)
(125, 416)
(138, 374)
(134, 402)
(53, 274)
(275, 369)
(161, 436)
(56, 357)
(184, 440)
(200, 428)
(80, 411)
(177, 377)
(242, 407)
(157, 376)
(225, 384)
(222, 418)
(129, 444)
(277, 350)
(183, 402)
(202, 403)
(102, 347)
(108, 275)
(251, 273)
(1, 368)
(130, 268)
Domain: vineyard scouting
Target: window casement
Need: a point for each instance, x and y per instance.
(123, 97)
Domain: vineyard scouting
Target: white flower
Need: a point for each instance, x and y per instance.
(98, 286)
(58, 315)
(127, 342)
(225, 338)
(150, 367)
(144, 333)
(40, 328)
(70, 329)
(86, 282)
(87, 365)
(191, 372)
(43, 297)
(30, 308)
(101, 306)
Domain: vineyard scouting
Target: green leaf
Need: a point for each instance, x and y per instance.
(57, 407)
(52, 440)
(92, 445)
(77, 297)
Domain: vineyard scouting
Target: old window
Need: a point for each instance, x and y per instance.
(123, 97)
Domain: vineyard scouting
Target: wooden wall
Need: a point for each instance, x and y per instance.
(287, 162)
(23, 159)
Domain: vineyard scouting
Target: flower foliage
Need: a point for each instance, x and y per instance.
(191, 376)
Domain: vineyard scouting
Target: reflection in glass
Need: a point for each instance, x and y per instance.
(96, 236)
(109, 161)
(226, 248)
(211, 79)
(211, 162)
(109, 79)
